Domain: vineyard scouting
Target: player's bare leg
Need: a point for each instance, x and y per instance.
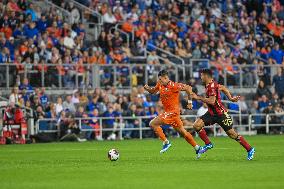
(240, 139)
(198, 127)
(156, 125)
(188, 137)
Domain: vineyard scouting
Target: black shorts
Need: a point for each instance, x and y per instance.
(224, 120)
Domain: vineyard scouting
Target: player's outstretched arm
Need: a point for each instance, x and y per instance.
(188, 90)
(210, 100)
(152, 90)
(228, 94)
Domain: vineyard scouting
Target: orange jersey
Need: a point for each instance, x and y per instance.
(169, 95)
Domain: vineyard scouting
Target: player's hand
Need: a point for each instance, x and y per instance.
(235, 98)
(189, 106)
(146, 87)
(194, 96)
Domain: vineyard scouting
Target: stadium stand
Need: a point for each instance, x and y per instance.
(89, 60)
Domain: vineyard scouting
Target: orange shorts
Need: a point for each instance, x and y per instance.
(171, 118)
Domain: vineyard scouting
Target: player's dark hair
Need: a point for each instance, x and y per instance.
(163, 73)
(207, 72)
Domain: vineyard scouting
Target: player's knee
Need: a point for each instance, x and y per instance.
(152, 124)
(197, 126)
(237, 138)
(233, 135)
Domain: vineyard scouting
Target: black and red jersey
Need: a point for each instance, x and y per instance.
(212, 89)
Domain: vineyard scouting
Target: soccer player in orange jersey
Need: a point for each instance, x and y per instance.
(169, 95)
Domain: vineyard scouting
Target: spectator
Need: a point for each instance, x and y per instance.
(31, 32)
(38, 112)
(272, 118)
(58, 106)
(35, 103)
(83, 99)
(277, 54)
(279, 115)
(7, 31)
(278, 81)
(153, 59)
(50, 111)
(69, 130)
(94, 124)
(14, 96)
(12, 6)
(75, 97)
(26, 85)
(30, 11)
(263, 103)
(109, 122)
(275, 99)
(75, 13)
(43, 98)
(68, 105)
(255, 110)
(25, 95)
(84, 122)
(86, 125)
(263, 90)
(69, 41)
(243, 105)
(93, 104)
(42, 23)
(131, 123)
(109, 19)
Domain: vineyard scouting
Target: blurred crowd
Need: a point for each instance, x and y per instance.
(113, 105)
(32, 37)
(91, 104)
(228, 33)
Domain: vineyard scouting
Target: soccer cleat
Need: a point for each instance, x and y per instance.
(251, 153)
(209, 146)
(200, 151)
(166, 146)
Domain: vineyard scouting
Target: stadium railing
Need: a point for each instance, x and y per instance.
(177, 60)
(132, 74)
(94, 75)
(245, 129)
(242, 70)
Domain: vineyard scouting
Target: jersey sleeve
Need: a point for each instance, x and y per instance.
(157, 87)
(211, 90)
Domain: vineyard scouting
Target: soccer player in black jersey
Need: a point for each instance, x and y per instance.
(217, 113)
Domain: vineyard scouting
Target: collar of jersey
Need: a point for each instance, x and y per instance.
(167, 84)
(210, 83)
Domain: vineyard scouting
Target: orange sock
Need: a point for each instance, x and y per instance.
(188, 137)
(159, 132)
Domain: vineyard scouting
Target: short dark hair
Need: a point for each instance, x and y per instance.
(163, 73)
(207, 72)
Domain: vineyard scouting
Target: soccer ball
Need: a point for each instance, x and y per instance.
(113, 155)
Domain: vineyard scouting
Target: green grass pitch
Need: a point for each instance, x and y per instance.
(85, 165)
